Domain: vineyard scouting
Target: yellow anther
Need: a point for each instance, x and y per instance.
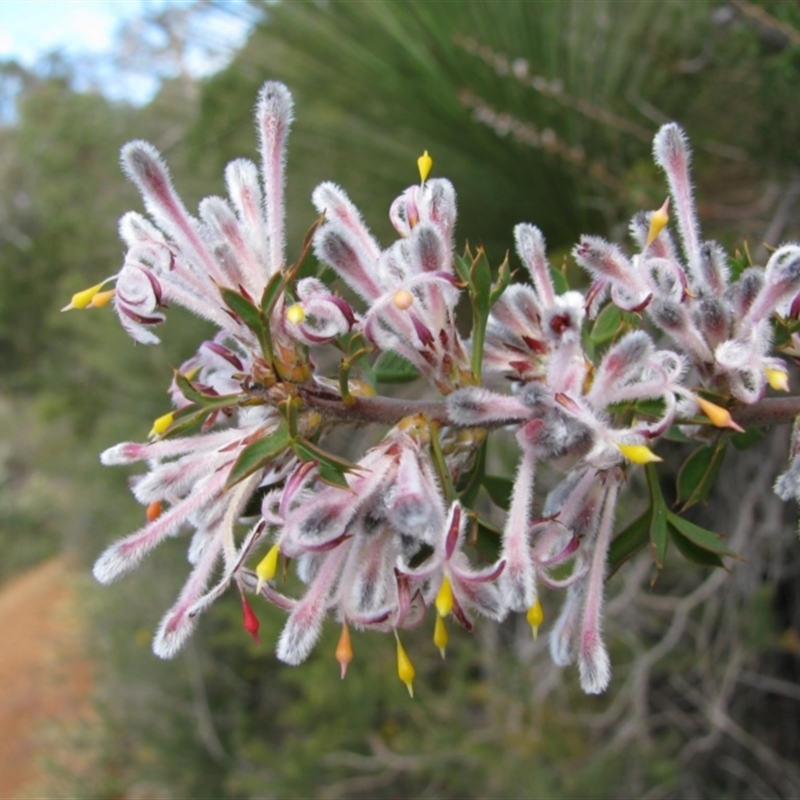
(638, 453)
(295, 314)
(424, 163)
(102, 298)
(267, 567)
(778, 379)
(440, 638)
(720, 417)
(444, 598)
(162, 423)
(658, 222)
(344, 650)
(82, 299)
(405, 669)
(535, 617)
(403, 299)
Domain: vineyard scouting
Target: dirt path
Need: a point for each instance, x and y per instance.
(44, 680)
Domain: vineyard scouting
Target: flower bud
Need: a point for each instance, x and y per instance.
(405, 669)
(424, 164)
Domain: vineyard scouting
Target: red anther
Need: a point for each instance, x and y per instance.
(250, 620)
(154, 511)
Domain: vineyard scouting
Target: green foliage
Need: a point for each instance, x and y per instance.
(393, 368)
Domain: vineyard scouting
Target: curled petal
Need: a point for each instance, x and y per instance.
(126, 554)
(178, 623)
(304, 625)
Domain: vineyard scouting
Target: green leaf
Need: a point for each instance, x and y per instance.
(469, 483)
(271, 294)
(243, 309)
(332, 475)
(629, 541)
(698, 473)
(607, 325)
(205, 401)
(658, 519)
(692, 552)
(675, 434)
(186, 419)
(703, 538)
(741, 441)
(650, 408)
(499, 490)
(188, 389)
(501, 284)
(462, 265)
(393, 368)
(481, 281)
(658, 534)
(258, 454)
(480, 293)
(308, 451)
(288, 410)
(440, 465)
(739, 262)
(488, 542)
(560, 283)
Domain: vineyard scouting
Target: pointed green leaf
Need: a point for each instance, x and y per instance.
(739, 262)
(499, 490)
(243, 309)
(288, 410)
(393, 368)
(675, 434)
(658, 534)
(186, 419)
(332, 475)
(690, 551)
(698, 473)
(628, 542)
(488, 542)
(198, 398)
(462, 265)
(271, 294)
(440, 465)
(741, 441)
(258, 454)
(480, 291)
(650, 408)
(703, 538)
(308, 451)
(501, 283)
(607, 325)
(188, 389)
(481, 281)
(469, 483)
(559, 278)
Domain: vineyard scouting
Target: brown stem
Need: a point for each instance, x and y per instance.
(770, 411)
(385, 410)
(390, 410)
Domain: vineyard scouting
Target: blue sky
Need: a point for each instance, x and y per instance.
(85, 30)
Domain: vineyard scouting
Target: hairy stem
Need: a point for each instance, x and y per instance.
(390, 410)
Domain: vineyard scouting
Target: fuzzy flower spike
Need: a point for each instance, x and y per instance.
(235, 245)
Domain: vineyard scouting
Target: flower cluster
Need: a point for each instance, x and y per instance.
(242, 460)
